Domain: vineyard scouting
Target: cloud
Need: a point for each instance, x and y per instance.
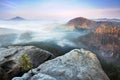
(65, 42)
(62, 10)
(8, 4)
(68, 13)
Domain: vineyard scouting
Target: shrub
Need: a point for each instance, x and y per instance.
(25, 63)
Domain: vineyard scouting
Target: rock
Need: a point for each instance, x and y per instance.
(77, 64)
(80, 22)
(38, 76)
(42, 77)
(9, 59)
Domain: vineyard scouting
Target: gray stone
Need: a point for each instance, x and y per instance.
(9, 58)
(41, 76)
(78, 64)
(18, 78)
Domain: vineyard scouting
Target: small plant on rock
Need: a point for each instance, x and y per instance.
(25, 63)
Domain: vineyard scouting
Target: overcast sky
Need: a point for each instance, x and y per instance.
(60, 9)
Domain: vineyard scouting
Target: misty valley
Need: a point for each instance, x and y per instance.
(101, 37)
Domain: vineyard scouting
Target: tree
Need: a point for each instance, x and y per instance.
(25, 63)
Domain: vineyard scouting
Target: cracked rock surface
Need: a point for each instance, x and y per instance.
(9, 59)
(77, 64)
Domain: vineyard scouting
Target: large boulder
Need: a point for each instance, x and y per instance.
(77, 64)
(10, 64)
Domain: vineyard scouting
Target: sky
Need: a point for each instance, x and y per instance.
(59, 9)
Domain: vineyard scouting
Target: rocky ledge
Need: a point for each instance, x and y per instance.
(77, 64)
(14, 58)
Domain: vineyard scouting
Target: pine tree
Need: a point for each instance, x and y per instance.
(25, 63)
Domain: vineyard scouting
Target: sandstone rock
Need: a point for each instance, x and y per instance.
(9, 59)
(81, 22)
(78, 64)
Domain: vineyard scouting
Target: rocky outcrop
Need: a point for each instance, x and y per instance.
(78, 64)
(81, 22)
(9, 59)
(103, 38)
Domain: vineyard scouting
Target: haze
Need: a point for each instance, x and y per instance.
(59, 9)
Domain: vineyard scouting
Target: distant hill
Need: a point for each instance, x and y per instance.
(99, 26)
(108, 27)
(106, 19)
(81, 22)
(17, 18)
(103, 37)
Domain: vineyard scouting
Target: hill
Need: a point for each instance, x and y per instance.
(17, 18)
(81, 22)
(84, 23)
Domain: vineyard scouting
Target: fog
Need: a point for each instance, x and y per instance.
(37, 31)
(53, 36)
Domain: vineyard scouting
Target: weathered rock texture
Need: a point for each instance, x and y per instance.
(9, 59)
(75, 65)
